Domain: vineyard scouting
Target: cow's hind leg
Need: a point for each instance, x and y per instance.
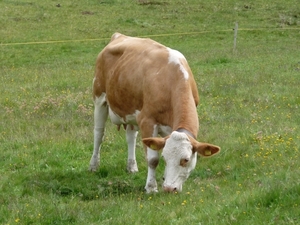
(100, 117)
(131, 133)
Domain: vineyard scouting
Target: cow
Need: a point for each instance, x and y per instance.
(148, 87)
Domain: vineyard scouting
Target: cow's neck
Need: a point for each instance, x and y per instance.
(185, 114)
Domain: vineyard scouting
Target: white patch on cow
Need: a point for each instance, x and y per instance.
(131, 118)
(175, 57)
(117, 120)
(177, 148)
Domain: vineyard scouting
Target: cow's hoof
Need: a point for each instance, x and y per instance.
(93, 168)
(151, 190)
(151, 187)
(132, 166)
(94, 164)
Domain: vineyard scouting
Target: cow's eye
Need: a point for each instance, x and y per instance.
(183, 162)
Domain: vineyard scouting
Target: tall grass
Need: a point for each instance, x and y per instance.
(249, 105)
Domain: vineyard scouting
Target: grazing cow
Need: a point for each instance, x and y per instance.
(146, 86)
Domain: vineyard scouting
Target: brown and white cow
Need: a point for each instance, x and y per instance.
(149, 87)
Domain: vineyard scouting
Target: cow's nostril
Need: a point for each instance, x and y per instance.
(169, 189)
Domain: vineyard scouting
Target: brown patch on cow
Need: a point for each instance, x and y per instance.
(153, 163)
(183, 162)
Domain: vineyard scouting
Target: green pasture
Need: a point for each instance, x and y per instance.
(249, 105)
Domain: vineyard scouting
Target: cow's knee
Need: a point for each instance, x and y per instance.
(153, 162)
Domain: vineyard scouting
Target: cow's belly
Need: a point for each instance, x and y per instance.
(118, 120)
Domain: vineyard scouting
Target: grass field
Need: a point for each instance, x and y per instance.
(249, 106)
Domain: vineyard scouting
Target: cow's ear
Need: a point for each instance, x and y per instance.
(204, 149)
(155, 143)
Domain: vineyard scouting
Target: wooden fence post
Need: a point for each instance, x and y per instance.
(235, 36)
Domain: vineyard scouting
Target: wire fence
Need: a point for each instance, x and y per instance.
(152, 35)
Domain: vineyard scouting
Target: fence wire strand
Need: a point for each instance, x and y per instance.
(144, 36)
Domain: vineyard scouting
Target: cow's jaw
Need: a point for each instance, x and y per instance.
(180, 161)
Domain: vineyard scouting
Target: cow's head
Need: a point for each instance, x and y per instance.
(180, 154)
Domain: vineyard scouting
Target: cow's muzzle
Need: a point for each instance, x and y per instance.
(170, 189)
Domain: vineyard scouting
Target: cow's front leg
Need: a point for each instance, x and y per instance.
(153, 159)
(131, 133)
(100, 117)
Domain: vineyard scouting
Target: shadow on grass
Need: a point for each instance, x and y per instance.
(82, 184)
